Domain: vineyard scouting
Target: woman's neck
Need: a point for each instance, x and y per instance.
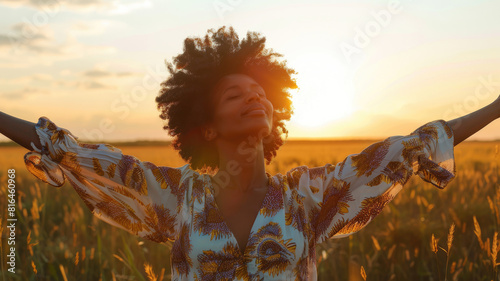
(241, 165)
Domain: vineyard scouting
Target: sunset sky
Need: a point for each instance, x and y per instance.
(369, 69)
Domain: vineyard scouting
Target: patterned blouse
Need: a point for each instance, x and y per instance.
(301, 209)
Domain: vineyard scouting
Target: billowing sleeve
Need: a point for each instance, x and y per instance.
(341, 199)
(139, 197)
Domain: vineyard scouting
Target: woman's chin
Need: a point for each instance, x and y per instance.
(260, 132)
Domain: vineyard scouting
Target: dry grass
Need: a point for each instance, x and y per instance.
(59, 239)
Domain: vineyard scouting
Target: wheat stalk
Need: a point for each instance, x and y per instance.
(149, 271)
(83, 253)
(63, 271)
(77, 258)
(450, 242)
(375, 243)
(434, 246)
(477, 231)
(30, 249)
(34, 267)
(494, 251)
(161, 274)
(450, 236)
(363, 273)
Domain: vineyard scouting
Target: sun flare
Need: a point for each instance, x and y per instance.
(325, 94)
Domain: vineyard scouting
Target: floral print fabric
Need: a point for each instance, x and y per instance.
(302, 208)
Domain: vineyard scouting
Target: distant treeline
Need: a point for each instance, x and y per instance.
(117, 144)
(167, 143)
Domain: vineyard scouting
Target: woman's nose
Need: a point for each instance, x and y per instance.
(251, 95)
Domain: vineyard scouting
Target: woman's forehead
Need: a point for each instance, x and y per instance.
(233, 80)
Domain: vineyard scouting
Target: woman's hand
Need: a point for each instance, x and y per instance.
(465, 126)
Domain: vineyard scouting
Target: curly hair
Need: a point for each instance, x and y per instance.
(184, 96)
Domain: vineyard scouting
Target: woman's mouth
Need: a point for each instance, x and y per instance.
(255, 112)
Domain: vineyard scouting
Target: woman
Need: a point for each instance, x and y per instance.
(225, 103)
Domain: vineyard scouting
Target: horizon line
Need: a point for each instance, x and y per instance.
(140, 142)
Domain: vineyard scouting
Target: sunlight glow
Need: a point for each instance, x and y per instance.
(325, 91)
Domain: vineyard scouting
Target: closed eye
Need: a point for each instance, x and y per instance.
(238, 94)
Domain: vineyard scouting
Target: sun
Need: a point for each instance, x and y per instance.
(325, 91)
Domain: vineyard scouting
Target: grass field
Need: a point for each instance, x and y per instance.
(58, 238)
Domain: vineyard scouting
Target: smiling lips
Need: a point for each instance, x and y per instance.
(255, 110)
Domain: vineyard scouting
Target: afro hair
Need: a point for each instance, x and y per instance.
(184, 96)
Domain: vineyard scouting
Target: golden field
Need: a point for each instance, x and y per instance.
(423, 234)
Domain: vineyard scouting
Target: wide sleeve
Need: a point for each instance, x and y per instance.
(341, 199)
(137, 196)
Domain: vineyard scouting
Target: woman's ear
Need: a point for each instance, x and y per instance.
(208, 133)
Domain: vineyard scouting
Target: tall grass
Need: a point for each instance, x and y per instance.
(423, 234)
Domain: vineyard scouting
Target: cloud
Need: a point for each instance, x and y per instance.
(27, 79)
(38, 45)
(101, 78)
(100, 73)
(23, 93)
(94, 27)
(87, 84)
(127, 73)
(26, 35)
(93, 85)
(6, 40)
(97, 73)
(40, 83)
(111, 6)
(42, 77)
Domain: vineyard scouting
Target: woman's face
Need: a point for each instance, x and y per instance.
(241, 108)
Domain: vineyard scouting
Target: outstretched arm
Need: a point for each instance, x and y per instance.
(467, 125)
(137, 196)
(19, 130)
